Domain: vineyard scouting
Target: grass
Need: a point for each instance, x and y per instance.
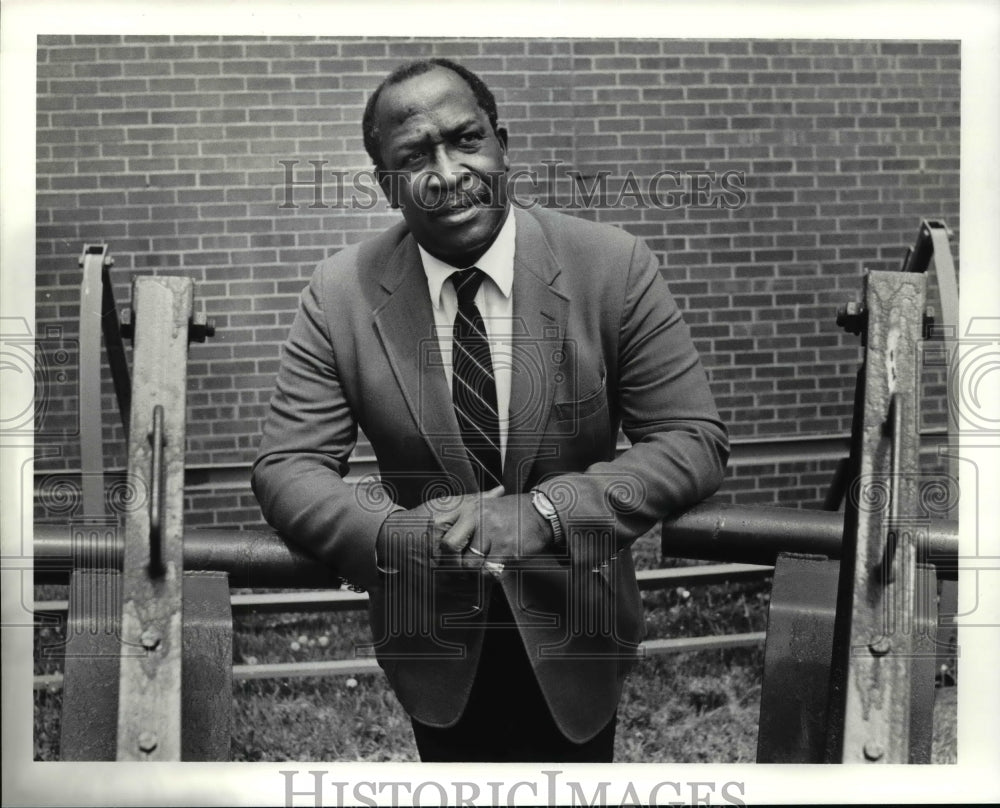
(358, 718)
(691, 707)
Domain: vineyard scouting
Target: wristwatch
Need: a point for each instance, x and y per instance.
(547, 511)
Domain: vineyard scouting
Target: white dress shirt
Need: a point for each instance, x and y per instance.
(494, 301)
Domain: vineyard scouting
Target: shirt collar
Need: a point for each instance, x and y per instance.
(497, 263)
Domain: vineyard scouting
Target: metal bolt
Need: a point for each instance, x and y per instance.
(851, 317)
(880, 647)
(929, 315)
(874, 750)
(150, 639)
(125, 324)
(148, 742)
(200, 328)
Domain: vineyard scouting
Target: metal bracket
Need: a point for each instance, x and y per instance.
(149, 706)
(93, 261)
(878, 606)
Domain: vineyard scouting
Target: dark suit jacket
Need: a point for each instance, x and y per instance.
(598, 343)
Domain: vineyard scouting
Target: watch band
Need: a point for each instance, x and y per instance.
(547, 511)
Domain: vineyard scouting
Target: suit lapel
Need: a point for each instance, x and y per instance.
(539, 329)
(405, 326)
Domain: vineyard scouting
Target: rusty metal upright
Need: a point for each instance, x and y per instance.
(875, 647)
(93, 262)
(149, 707)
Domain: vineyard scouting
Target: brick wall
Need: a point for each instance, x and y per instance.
(168, 148)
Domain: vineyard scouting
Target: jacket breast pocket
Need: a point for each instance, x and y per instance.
(587, 404)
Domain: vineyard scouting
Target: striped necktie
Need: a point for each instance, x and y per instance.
(473, 386)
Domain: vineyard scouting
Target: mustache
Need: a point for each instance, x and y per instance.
(449, 203)
(439, 199)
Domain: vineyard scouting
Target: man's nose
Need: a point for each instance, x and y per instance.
(449, 173)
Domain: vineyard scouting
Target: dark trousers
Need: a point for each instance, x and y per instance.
(507, 719)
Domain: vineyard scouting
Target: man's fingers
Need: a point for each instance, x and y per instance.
(460, 533)
(447, 508)
(456, 520)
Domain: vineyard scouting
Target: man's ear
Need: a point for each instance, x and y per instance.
(389, 183)
(501, 133)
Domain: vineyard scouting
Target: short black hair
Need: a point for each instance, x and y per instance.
(484, 98)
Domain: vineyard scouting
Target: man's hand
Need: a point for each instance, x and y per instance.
(431, 520)
(498, 530)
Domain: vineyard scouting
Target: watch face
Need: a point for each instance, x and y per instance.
(542, 504)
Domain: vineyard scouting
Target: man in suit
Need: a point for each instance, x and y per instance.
(490, 355)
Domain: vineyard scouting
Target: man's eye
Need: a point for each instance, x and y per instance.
(470, 138)
(413, 158)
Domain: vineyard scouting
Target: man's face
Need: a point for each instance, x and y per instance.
(443, 165)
